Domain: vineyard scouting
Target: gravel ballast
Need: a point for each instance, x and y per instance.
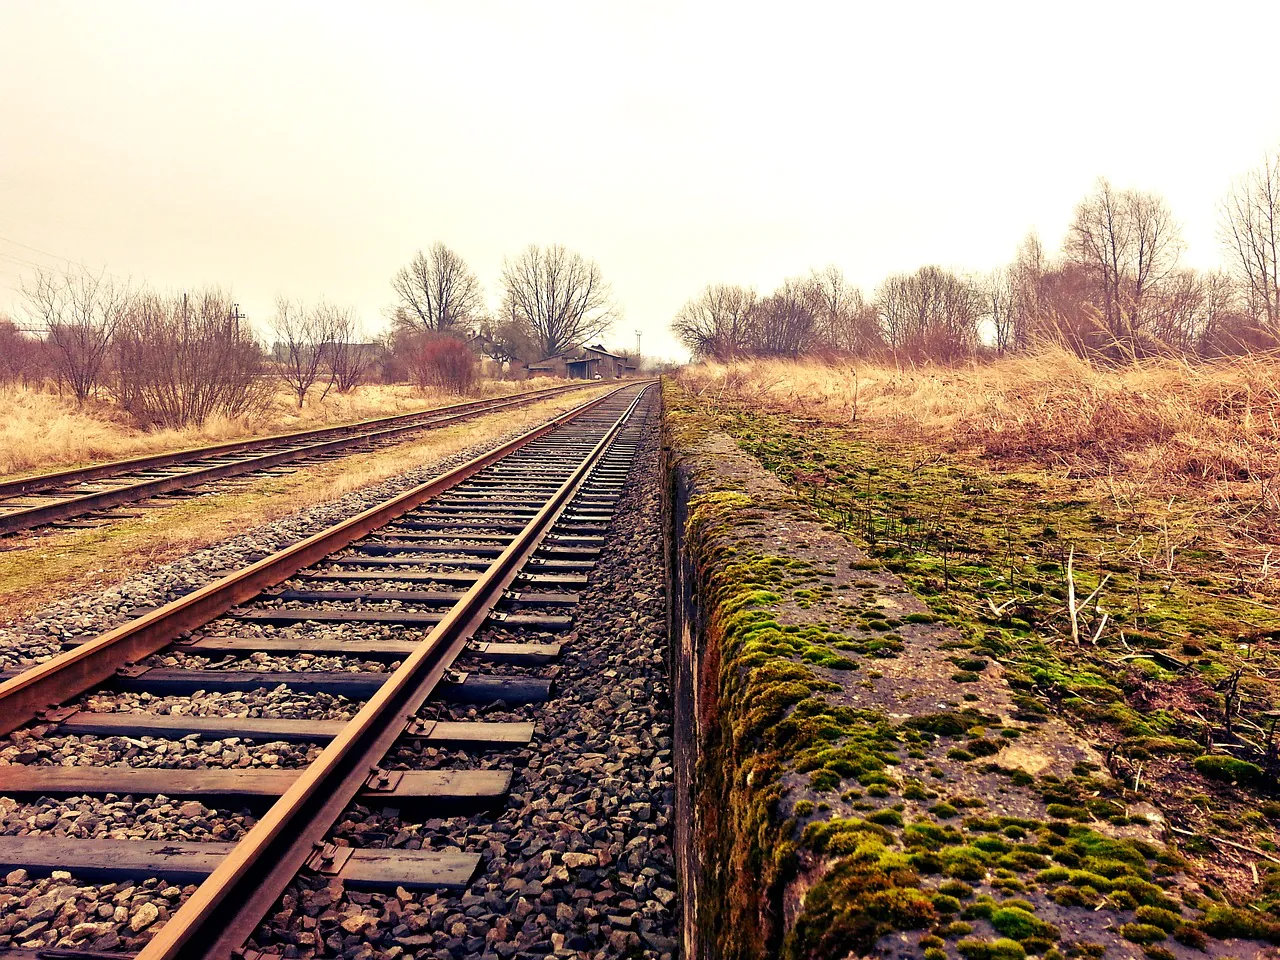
(579, 863)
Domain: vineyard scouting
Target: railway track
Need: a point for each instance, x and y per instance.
(345, 663)
(68, 497)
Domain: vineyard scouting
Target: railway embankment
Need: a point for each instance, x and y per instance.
(856, 776)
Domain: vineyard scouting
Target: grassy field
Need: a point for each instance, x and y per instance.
(40, 567)
(1110, 537)
(42, 431)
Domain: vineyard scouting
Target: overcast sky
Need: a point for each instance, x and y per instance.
(309, 149)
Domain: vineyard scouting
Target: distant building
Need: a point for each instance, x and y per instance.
(584, 363)
(495, 363)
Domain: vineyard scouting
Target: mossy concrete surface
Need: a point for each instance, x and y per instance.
(856, 779)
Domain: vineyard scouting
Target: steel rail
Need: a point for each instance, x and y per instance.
(228, 906)
(27, 518)
(76, 671)
(61, 478)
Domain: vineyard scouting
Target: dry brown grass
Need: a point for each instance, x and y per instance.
(1176, 422)
(40, 430)
(1187, 453)
(39, 568)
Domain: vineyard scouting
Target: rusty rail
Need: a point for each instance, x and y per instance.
(225, 910)
(29, 517)
(62, 478)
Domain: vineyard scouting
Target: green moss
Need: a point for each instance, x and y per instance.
(1166, 920)
(777, 719)
(945, 905)
(980, 909)
(964, 863)
(1141, 932)
(888, 818)
(948, 724)
(1229, 769)
(1069, 896)
(1191, 936)
(1064, 812)
(853, 905)
(1001, 949)
(1020, 924)
(1224, 922)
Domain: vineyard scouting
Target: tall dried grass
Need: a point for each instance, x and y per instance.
(1164, 420)
(40, 430)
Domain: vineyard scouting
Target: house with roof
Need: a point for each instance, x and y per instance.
(584, 363)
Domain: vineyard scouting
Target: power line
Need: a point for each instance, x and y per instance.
(46, 253)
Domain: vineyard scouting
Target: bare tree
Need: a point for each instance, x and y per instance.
(717, 322)
(1130, 243)
(23, 358)
(845, 321)
(560, 297)
(1027, 279)
(513, 341)
(1251, 232)
(81, 311)
(931, 314)
(437, 291)
(1232, 324)
(303, 337)
(1000, 294)
(349, 359)
(785, 323)
(1179, 315)
(181, 359)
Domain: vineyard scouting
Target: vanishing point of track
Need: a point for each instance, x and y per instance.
(495, 548)
(57, 497)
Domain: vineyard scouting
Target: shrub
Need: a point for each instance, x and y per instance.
(178, 361)
(441, 361)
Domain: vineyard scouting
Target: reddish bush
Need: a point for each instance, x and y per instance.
(441, 361)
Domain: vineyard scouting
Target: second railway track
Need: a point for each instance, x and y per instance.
(72, 495)
(371, 635)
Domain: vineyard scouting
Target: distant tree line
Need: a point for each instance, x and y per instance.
(1115, 290)
(174, 360)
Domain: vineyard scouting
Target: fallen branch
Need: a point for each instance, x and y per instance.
(998, 612)
(1164, 659)
(1071, 597)
(1230, 843)
(1101, 626)
(1073, 608)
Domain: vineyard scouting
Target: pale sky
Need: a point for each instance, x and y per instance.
(309, 149)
